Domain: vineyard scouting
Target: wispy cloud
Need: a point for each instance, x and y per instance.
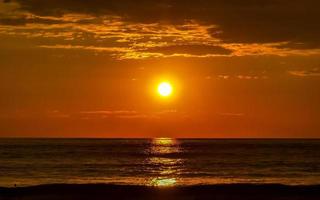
(251, 76)
(232, 114)
(129, 114)
(305, 73)
(93, 48)
(109, 112)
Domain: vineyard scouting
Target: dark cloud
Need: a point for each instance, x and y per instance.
(248, 21)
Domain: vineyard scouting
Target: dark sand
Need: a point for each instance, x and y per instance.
(118, 192)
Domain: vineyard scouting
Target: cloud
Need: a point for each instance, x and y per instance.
(244, 21)
(94, 48)
(305, 73)
(129, 114)
(101, 114)
(57, 114)
(109, 112)
(190, 49)
(251, 77)
(166, 28)
(232, 114)
(118, 114)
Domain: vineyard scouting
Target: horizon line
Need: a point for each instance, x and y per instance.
(184, 138)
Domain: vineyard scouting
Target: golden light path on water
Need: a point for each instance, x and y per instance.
(167, 167)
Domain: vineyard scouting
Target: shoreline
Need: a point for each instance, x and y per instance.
(110, 191)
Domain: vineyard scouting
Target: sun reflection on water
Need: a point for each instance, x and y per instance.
(164, 146)
(163, 182)
(166, 164)
(164, 141)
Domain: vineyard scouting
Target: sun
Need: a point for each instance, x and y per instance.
(165, 89)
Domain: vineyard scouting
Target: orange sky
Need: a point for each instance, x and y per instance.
(91, 68)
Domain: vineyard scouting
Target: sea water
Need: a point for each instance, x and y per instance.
(158, 162)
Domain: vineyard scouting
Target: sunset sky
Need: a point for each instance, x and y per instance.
(91, 68)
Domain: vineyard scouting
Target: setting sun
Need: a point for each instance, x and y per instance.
(165, 89)
(159, 99)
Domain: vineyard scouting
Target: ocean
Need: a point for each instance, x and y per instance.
(159, 162)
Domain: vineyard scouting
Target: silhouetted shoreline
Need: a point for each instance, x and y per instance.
(107, 191)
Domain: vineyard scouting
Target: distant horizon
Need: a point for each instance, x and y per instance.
(138, 138)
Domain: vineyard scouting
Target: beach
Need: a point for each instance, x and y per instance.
(119, 192)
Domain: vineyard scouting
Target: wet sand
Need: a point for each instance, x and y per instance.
(119, 192)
